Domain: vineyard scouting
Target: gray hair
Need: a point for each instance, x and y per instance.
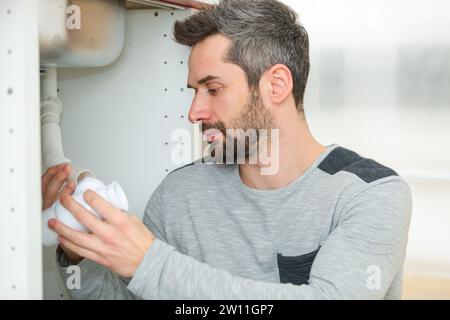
(263, 33)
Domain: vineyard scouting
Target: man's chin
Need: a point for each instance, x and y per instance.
(222, 156)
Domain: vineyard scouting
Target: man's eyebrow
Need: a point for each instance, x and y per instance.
(203, 80)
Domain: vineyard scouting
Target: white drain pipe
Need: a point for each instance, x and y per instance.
(53, 155)
(51, 110)
(104, 24)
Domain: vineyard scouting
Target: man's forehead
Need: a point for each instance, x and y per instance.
(212, 49)
(207, 60)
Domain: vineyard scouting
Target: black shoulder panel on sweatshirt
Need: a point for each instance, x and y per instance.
(341, 159)
(185, 166)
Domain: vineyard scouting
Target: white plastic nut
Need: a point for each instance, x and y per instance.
(112, 193)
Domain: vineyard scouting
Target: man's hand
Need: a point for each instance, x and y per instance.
(119, 243)
(51, 184)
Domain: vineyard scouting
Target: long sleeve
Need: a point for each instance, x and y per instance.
(359, 260)
(98, 282)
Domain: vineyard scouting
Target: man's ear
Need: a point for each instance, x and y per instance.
(280, 83)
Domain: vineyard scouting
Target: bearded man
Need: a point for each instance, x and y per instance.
(323, 223)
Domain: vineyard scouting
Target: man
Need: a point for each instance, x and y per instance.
(328, 224)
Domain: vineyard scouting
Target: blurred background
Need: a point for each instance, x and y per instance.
(380, 85)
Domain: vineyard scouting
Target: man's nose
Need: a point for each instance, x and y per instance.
(200, 111)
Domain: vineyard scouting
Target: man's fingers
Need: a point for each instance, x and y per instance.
(48, 176)
(51, 192)
(68, 189)
(85, 217)
(82, 252)
(81, 239)
(110, 213)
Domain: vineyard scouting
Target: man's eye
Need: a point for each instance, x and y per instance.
(213, 91)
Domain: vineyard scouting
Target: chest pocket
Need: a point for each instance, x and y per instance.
(296, 269)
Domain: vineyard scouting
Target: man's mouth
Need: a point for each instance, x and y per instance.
(212, 135)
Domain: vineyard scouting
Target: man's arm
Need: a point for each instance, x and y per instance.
(97, 281)
(359, 259)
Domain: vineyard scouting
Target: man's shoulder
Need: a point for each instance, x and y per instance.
(344, 161)
(347, 174)
(354, 177)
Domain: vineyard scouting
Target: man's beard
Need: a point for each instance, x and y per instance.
(253, 118)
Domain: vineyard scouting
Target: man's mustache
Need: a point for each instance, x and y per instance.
(214, 126)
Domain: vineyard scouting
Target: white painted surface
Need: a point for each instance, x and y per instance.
(20, 201)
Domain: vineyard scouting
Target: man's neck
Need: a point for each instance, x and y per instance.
(298, 150)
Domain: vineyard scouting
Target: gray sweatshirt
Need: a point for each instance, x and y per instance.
(338, 232)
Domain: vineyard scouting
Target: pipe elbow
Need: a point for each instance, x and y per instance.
(112, 193)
